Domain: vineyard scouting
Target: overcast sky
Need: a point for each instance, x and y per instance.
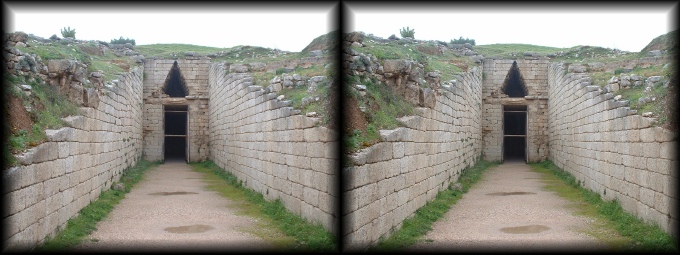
(292, 26)
(288, 27)
(628, 27)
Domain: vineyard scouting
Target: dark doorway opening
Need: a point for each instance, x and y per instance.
(176, 122)
(514, 132)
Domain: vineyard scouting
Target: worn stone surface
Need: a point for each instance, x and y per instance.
(195, 74)
(61, 176)
(595, 139)
(534, 74)
(272, 149)
(395, 177)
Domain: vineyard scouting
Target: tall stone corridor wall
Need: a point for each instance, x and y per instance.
(611, 150)
(271, 148)
(58, 178)
(390, 180)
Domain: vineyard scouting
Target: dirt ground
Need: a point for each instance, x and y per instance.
(171, 210)
(509, 211)
(19, 118)
(354, 118)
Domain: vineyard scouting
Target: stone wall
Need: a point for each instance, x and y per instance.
(611, 150)
(534, 73)
(195, 74)
(390, 180)
(58, 178)
(271, 147)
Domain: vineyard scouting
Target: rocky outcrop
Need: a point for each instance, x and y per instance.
(407, 77)
(70, 77)
(625, 81)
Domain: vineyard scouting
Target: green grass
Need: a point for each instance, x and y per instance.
(236, 54)
(620, 229)
(85, 223)
(417, 226)
(57, 50)
(296, 94)
(656, 107)
(601, 78)
(329, 39)
(445, 68)
(507, 49)
(300, 235)
(359, 139)
(166, 50)
(79, 51)
(431, 62)
(390, 106)
(54, 107)
(110, 70)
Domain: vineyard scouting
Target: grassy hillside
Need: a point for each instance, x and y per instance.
(236, 54)
(514, 50)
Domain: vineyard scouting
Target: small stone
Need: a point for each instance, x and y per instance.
(311, 114)
(613, 79)
(647, 114)
(655, 78)
(617, 98)
(642, 100)
(26, 87)
(119, 186)
(360, 87)
(317, 79)
(97, 74)
(281, 97)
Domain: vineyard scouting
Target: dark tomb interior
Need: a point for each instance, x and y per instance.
(175, 132)
(514, 148)
(514, 132)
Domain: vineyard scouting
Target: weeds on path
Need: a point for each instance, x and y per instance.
(633, 233)
(306, 236)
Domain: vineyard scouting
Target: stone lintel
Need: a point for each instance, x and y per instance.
(174, 101)
(513, 101)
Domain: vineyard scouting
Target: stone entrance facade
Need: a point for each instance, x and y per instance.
(497, 82)
(162, 93)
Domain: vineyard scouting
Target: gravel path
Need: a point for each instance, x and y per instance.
(508, 210)
(171, 210)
